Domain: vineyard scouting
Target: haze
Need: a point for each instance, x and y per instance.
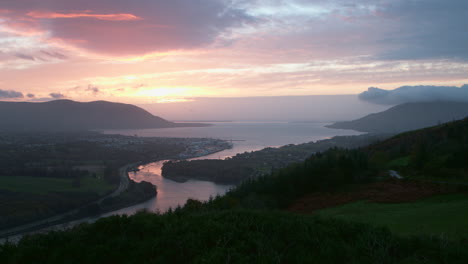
(320, 108)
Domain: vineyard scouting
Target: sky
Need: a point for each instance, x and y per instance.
(310, 108)
(171, 52)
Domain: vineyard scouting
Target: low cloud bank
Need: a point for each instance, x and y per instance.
(57, 95)
(9, 94)
(414, 94)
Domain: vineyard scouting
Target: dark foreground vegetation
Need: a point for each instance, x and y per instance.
(230, 236)
(246, 225)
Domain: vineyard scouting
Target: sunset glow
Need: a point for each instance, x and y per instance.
(162, 51)
(110, 17)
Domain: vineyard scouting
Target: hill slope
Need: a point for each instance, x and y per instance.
(407, 117)
(70, 115)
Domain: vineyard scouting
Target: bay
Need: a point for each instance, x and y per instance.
(245, 137)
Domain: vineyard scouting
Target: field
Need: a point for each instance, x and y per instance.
(24, 199)
(40, 185)
(441, 215)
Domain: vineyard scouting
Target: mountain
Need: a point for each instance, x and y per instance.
(407, 117)
(64, 115)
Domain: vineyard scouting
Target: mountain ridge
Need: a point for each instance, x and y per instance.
(406, 117)
(65, 115)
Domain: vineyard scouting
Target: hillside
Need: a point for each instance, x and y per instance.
(65, 115)
(437, 153)
(407, 117)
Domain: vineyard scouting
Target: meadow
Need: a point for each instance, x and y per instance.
(441, 215)
(44, 185)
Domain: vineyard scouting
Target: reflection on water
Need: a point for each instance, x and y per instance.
(171, 193)
(245, 136)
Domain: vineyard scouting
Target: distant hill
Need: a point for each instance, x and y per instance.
(407, 117)
(63, 115)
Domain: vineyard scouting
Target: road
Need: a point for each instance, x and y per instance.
(123, 185)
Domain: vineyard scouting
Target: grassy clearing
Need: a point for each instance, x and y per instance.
(399, 162)
(40, 185)
(442, 215)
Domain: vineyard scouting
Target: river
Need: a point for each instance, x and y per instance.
(245, 136)
(170, 193)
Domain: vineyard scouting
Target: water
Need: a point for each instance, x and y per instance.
(170, 193)
(246, 136)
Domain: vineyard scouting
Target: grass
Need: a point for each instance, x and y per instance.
(400, 162)
(41, 185)
(442, 215)
(458, 180)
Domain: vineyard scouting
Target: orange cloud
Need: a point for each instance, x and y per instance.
(108, 17)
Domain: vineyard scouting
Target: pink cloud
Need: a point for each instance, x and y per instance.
(126, 27)
(109, 17)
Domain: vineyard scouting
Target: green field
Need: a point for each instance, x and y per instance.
(443, 215)
(40, 185)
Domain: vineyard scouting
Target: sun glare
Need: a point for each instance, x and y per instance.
(165, 92)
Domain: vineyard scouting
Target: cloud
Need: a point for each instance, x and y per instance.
(381, 30)
(57, 95)
(109, 17)
(9, 94)
(41, 55)
(128, 27)
(424, 30)
(54, 54)
(412, 94)
(93, 89)
(30, 95)
(25, 56)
